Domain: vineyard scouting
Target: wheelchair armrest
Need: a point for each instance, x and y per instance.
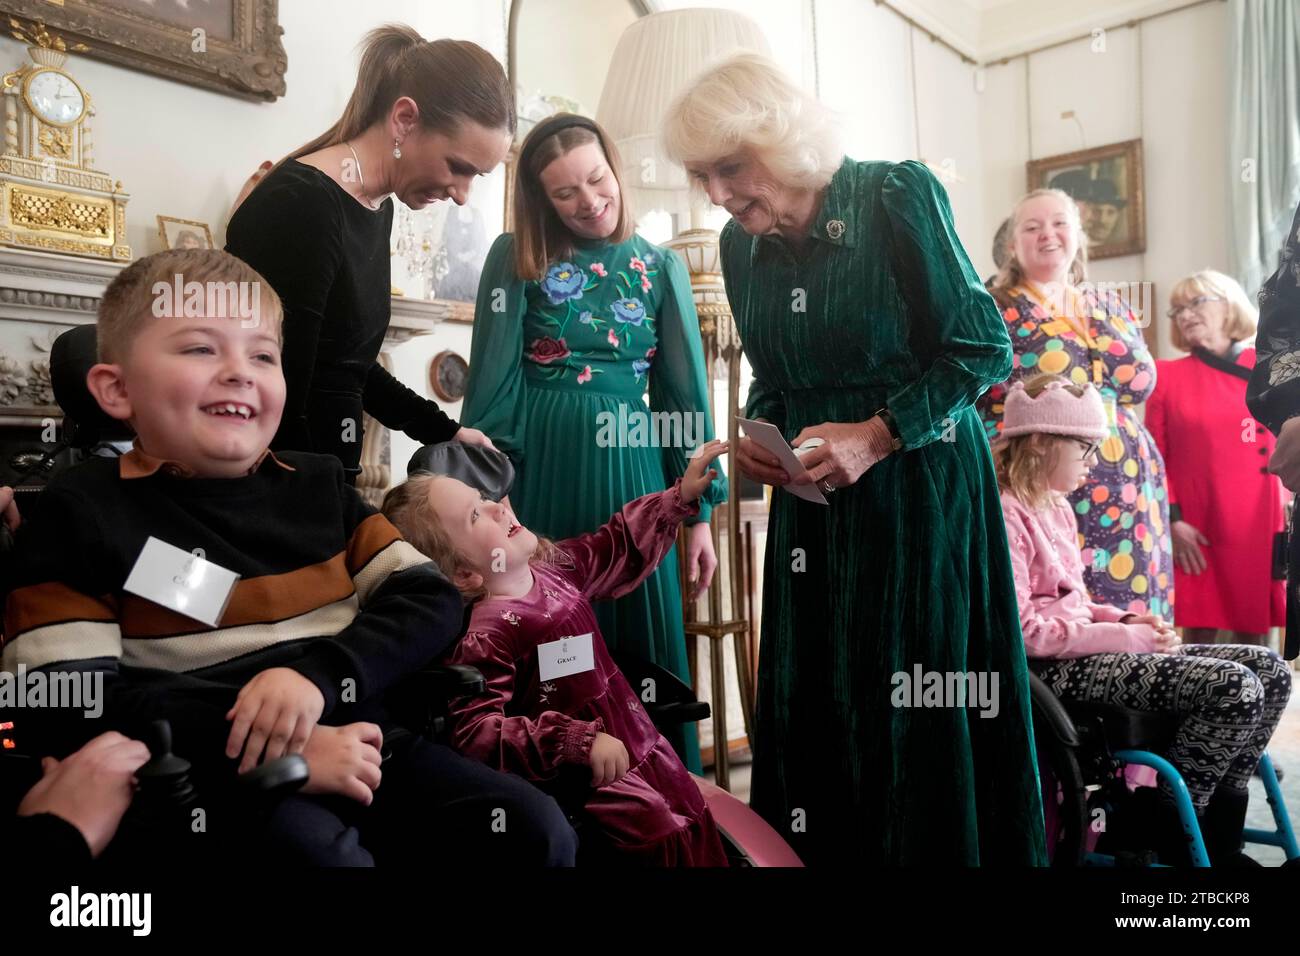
(276, 778)
(673, 701)
(455, 680)
(685, 712)
(1053, 712)
(419, 701)
(668, 687)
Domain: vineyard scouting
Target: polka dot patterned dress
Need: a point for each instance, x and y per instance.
(1122, 510)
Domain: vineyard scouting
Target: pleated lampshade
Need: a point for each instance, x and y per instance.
(656, 57)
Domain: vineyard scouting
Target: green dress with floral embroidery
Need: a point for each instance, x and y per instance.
(558, 378)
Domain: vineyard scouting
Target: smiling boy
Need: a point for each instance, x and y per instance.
(330, 609)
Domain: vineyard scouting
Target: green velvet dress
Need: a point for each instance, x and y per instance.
(558, 377)
(909, 567)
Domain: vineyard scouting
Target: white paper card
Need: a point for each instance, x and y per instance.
(769, 437)
(568, 655)
(182, 581)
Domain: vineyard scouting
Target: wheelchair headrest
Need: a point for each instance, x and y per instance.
(71, 357)
(486, 469)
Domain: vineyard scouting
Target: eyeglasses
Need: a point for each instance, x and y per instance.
(1089, 448)
(1194, 305)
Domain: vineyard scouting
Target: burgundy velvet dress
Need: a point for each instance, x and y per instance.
(654, 815)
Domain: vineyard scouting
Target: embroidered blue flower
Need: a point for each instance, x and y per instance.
(564, 281)
(585, 318)
(639, 367)
(630, 311)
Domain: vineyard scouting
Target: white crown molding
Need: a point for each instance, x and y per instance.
(1011, 29)
(992, 30)
(956, 22)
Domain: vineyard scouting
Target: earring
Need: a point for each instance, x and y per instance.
(397, 149)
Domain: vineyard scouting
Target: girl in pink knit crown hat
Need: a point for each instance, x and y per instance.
(1228, 697)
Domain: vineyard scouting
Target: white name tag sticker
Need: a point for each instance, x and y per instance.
(182, 581)
(568, 655)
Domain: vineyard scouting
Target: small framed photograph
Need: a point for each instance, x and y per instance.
(1106, 183)
(448, 376)
(184, 233)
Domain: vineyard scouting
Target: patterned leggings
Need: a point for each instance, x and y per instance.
(1229, 698)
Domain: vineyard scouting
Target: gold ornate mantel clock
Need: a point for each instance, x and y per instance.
(51, 197)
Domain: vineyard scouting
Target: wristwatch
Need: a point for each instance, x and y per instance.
(885, 416)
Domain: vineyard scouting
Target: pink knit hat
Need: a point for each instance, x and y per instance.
(1056, 411)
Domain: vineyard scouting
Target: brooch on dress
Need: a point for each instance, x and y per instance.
(835, 228)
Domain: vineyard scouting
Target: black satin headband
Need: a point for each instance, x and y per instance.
(548, 128)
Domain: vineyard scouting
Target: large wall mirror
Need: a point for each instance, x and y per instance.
(558, 54)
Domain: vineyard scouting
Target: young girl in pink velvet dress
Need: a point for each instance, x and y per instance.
(554, 696)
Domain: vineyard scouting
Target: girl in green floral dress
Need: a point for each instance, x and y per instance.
(577, 318)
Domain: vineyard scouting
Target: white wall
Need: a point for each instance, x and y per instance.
(563, 47)
(1163, 82)
(903, 97)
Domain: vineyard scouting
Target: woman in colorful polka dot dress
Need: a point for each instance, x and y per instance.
(1059, 325)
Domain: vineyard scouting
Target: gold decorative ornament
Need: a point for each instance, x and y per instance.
(51, 196)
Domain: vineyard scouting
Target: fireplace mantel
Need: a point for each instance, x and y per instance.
(44, 293)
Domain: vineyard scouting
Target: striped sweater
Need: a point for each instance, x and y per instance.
(327, 588)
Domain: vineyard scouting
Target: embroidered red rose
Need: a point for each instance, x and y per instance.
(546, 350)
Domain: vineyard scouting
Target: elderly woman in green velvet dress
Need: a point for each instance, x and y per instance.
(893, 722)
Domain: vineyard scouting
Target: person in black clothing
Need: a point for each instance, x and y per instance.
(71, 814)
(424, 120)
(1273, 395)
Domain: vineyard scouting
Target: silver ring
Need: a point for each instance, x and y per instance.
(827, 487)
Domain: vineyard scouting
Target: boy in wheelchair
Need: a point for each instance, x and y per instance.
(557, 710)
(1227, 699)
(323, 606)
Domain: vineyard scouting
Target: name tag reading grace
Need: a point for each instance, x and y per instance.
(568, 655)
(182, 581)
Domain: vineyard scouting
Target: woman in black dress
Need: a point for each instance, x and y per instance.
(424, 120)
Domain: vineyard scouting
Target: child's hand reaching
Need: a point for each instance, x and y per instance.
(275, 711)
(609, 760)
(344, 760)
(698, 474)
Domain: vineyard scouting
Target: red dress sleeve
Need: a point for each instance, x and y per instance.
(616, 558)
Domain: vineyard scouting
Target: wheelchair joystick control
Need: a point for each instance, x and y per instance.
(165, 780)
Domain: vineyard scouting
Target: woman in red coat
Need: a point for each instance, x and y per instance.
(1225, 507)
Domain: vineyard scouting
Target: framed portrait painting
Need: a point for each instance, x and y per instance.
(184, 233)
(1106, 183)
(231, 46)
